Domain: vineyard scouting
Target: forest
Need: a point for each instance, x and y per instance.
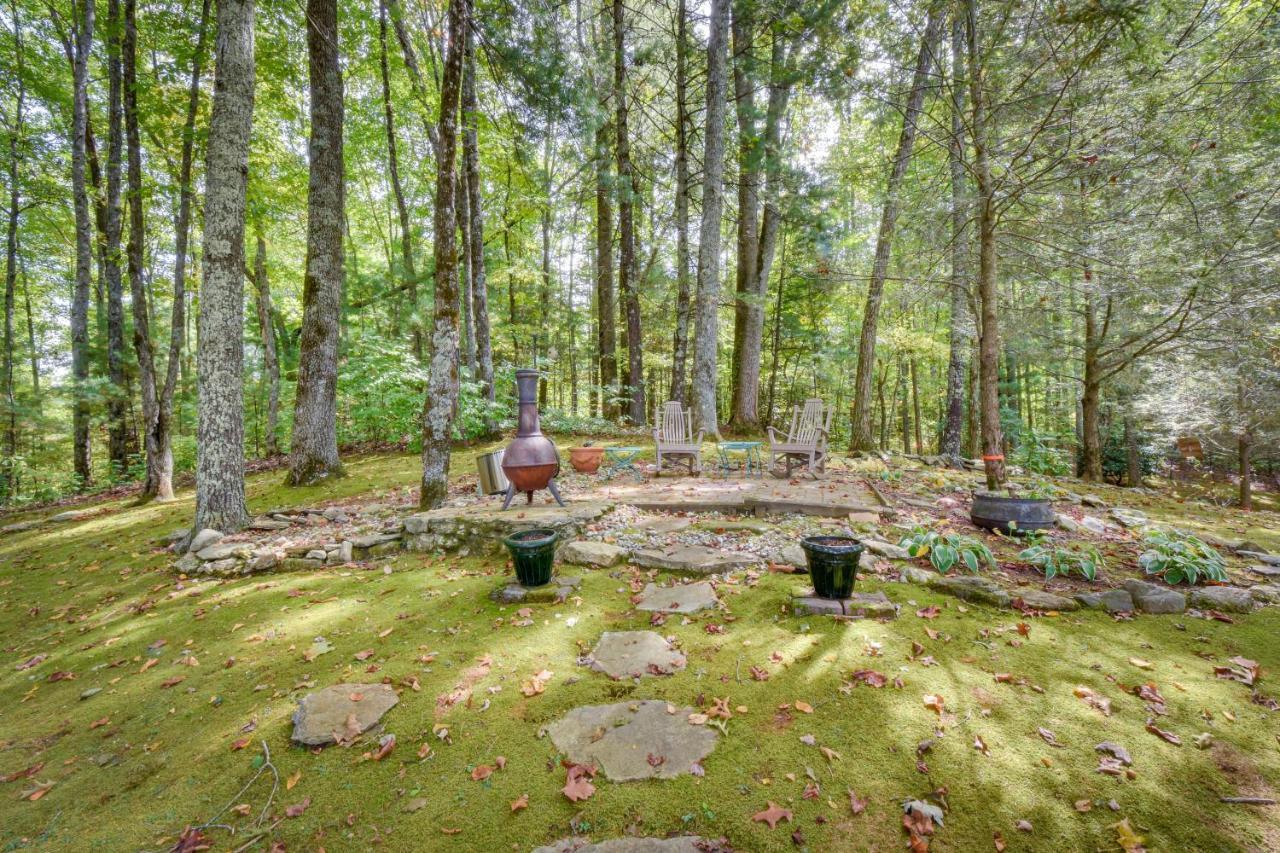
(1040, 230)
(640, 426)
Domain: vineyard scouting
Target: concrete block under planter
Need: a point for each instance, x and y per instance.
(861, 605)
(556, 591)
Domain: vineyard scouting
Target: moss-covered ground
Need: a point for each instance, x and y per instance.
(156, 750)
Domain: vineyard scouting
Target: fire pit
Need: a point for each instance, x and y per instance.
(531, 461)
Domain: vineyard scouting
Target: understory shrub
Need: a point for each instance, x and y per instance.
(1181, 557)
(1055, 561)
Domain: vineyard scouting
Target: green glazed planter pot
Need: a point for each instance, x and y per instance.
(833, 564)
(533, 552)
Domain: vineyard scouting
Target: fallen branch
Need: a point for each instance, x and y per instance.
(1248, 801)
(884, 502)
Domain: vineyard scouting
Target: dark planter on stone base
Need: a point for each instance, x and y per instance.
(833, 564)
(533, 552)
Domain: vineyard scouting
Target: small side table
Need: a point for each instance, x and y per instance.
(752, 465)
(623, 459)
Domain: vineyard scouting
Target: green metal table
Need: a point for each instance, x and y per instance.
(752, 464)
(622, 459)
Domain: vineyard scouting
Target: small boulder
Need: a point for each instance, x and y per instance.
(1129, 518)
(341, 712)
(885, 549)
(1067, 523)
(225, 551)
(1266, 593)
(586, 552)
(1043, 600)
(204, 539)
(1112, 601)
(1093, 501)
(912, 574)
(1153, 598)
(971, 588)
(1231, 598)
(1094, 525)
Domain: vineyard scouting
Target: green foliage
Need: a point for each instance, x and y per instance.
(1042, 453)
(1115, 454)
(1063, 561)
(946, 550)
(1181, 557)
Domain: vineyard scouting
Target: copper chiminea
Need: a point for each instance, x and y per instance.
(531, 461)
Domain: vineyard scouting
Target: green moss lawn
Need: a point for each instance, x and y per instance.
(196, 676)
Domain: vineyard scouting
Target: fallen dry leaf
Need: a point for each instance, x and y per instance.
(772, 815)
(520, 802)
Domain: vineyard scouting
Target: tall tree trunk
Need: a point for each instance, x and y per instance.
(118, 400)
(468, 331)
(680, 346)
(471, 168)
(989, 333)
(442, 388)
(155, 443)
(1244, 446)
(960, 333)
(1091, 396)
(861, 438)
(742, 414)
(32, 348)
(7, 483)
(177, 366)
(314, 450)
(748, 350)
(627, 282)
(604, 276)
(409, 275)
(270, 362)
(82, 450)
(915, 406)
(1133, 454)
(708, 294)
(220, 502)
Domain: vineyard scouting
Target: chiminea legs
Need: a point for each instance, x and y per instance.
(511, 493)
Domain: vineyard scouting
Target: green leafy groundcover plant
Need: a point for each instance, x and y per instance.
(1181, 557)
(945, 550)
(1063, 561)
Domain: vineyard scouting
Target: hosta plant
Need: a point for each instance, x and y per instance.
(1063, 561)
(946, 550)
(1181, 557)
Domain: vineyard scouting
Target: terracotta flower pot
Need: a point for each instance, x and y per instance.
(586, 460)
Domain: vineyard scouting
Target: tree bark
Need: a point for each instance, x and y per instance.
(604, 277)
(1245, 447)
(1133, 454)
(117, 400)
(270, 361)
(408, 274)
(7, 480)
(961, 332)
(471, 167)
(220, 502)
(314, 450)
(680, 346)
(82, 450)
(155, 434)
(742, 404)
(442, 388)
(627, 282)
(1091, 397)
(989, 334)
(467, 325)
(861, 437)
(708, 293)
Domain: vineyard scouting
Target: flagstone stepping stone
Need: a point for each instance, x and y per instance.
(629, 741)
(1152, 598)
(342, 710)
(513, 592)
(685, 598)
(1043, 600)
(662, 523)
(634, 654)
(740, 525)
(1231, 598)
(696, 559)
(680, 844)
(585, 552)
(861, 605)
(1112, 601)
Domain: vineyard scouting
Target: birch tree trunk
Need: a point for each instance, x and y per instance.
(861, 437)
(471, 168)
(270, 361)
(155, 439)
(82, 450)
(627, 282)
(708, 294)
(408, 273)
(989, 335)
(442, 388)
(680, 346)
(220, 502)
(314, 450)
(960, 333)
(117, 401)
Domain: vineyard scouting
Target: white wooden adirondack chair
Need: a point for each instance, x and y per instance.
(673, 437)
(806, 438)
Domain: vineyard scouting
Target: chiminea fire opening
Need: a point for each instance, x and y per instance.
(531, 461)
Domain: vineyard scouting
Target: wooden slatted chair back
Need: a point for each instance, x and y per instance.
(808, 423)
(676, 427)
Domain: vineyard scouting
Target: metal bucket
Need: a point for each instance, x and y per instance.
(489, 466)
